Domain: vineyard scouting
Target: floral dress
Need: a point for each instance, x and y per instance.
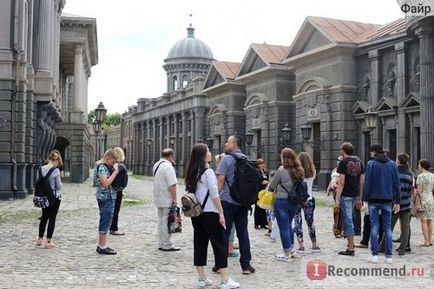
(426, 181)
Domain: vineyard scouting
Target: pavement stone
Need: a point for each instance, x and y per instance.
(138, 264)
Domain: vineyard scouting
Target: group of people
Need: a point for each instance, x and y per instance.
(386, 187)
(390, 192)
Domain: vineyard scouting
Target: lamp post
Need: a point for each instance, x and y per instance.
(210, 142)
(286, 135)
(172, 142)
(100, 114)
(249, 139)
(306, 130)
(371, 118)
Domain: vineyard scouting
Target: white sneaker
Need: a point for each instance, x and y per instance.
(229, 284)
(281, 257)
(203, 282)
(294, 254)
(373, 259)
(388, 260)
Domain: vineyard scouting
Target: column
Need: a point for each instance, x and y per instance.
(42, 38)
(401, 93)
(78, 71)
(161, 137)
(184, 138)
(199, 123)
(375, 88)
(426, 49)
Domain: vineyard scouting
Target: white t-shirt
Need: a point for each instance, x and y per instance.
(164, 178)
(309, 182)
(208, 181)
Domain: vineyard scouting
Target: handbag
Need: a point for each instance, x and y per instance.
(417, 206)
(265, 199)
(174, 222)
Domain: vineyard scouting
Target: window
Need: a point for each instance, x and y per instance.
(184, 81)
(175, 83)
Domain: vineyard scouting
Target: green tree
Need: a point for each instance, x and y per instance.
(110, 119)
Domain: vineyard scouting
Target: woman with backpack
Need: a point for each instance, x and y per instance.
(210, 225)
(308, 208)
(287, 174)
(119, 184)
(49, 214)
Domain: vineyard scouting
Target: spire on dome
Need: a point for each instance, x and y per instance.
(190, 29)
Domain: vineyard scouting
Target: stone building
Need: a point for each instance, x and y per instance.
(112, 136)
(338, 81)
(45, 61)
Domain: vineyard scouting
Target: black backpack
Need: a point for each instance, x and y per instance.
(247, 181)
(44, 194)
(298, 194)
(121, 180)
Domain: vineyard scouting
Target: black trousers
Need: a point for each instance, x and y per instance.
(260, 217)
(207, 228)
(114, 225)
(49, 215)
(367, 230)
(357, 221)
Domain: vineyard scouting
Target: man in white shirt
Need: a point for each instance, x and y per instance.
(164, 196)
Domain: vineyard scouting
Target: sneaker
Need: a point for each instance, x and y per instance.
(373, 259)
(294, 254)
(229, 284)
(388, 260)
(40, 242)
(268, 234)
(316, 249)
(106, 251)
(281, 257)
(236, 246)
(300, 250)
(203, 282)
(246, 271)
(347, 252)
(273, 240)
(50, 245)
(233, 254)
(117, 233)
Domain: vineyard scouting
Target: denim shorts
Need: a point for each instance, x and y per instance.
(106, 210)
(347, 208)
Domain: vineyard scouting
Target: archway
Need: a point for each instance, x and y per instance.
(63, 146)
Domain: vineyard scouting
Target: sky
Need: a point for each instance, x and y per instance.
(135, 36)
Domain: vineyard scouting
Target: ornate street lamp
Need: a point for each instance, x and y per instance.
(172, 141)
(210, 142)
(96, 126)
(249, 137)
(305, 132)
(100, 113)
(286, 134)
(371, 118)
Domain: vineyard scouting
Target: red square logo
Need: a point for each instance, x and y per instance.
(316, 270)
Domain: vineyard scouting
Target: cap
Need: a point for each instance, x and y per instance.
(378, 148)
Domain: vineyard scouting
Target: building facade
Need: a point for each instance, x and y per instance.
(45, 61)
(338, 81)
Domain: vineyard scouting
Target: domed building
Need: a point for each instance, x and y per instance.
(188, 58)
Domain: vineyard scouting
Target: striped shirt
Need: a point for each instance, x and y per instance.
(406, 179)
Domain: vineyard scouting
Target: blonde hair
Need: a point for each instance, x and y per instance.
(55, 156)
(218, 159)
(120, 153)
(110, 153)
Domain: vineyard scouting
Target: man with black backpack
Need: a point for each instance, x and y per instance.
(234, 169)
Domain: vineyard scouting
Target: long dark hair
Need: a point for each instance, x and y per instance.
(196, 166)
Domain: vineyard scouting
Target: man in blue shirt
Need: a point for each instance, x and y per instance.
(233, 211)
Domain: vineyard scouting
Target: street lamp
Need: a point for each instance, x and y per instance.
(371, 118)
(249, 139)
(172, 141)
(210, 142)
(305, 132)
(100, 114)
(286, 135)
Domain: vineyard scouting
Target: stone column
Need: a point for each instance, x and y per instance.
(375, 87)
(199, 124)
(184, 138)
(78, 71)
(426, 54)
(161, 138)
(401, 93)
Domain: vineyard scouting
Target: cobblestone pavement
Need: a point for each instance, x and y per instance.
(138, 264)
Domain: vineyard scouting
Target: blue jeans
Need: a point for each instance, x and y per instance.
(347, 207)
(386, 216)
(284, 213)
(106, 210)
(237, 215)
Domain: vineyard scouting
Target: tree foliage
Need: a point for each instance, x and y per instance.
(110, 119)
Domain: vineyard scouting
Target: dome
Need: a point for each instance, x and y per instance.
(190, 47)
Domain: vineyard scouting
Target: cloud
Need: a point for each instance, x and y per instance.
(134, 36)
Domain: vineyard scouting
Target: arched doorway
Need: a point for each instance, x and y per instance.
(64, 147)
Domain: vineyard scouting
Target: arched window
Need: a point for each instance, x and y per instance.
(175, 83)
(184, 81)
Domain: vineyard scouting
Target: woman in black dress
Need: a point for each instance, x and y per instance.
(260, 215)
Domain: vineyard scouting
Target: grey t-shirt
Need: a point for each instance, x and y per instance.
(281, 177)
(227, 169)
(54, 179)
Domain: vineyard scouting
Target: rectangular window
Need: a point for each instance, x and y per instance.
(392, 144)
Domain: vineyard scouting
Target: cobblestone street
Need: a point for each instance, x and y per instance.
(138, 264)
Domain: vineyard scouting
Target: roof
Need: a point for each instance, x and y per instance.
(343, 31)
(271, 53)
(190, 47)
(387, 29)
(228, 70)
